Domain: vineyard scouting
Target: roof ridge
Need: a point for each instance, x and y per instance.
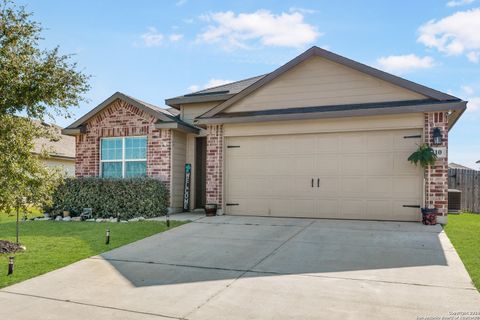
(229, 83)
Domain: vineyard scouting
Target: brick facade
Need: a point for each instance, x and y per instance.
(121, 119)
(436, 184)
(214, 174)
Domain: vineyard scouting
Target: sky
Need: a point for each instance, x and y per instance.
(154, 50)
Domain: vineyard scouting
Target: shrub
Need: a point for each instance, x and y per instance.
(122, 198)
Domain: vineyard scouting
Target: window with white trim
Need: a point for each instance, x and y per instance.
(123, 157)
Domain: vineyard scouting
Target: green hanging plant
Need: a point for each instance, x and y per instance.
(423, 155)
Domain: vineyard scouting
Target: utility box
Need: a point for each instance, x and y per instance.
(454, 200)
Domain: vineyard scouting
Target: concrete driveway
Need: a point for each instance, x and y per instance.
(259, 268)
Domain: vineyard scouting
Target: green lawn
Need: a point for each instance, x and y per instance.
(464, 232)
(52, 245)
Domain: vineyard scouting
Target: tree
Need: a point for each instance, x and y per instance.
(35, 83)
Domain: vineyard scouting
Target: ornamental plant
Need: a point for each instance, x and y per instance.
(119, 198)
(424, 155)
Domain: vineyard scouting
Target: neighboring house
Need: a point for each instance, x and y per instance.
(322, 136)
(453, 165)
(61, 151)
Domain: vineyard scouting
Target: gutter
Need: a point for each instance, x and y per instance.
(458, 105)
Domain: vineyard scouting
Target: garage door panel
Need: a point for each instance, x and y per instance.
(302, 208)
(379, 187)
(352, 186)
(304, 144)
(281, 186)
(361, 175)
(406, 213)
(280, 164)
(327, 208)
(303, 164)
(328, 187)
(380, 163)
(256, 166)
(401, 165)
(353, 164)
(282, 207)
(379, 141)
(327, 164)
(379, 209)
(327, 143)
(405, 140)
(302, 185)
(406, 187)
(280, 145)
(352, 209)
(353, 142)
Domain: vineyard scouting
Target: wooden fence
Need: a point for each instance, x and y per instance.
(467, 181)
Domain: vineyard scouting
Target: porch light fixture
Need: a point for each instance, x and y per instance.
(437, 136)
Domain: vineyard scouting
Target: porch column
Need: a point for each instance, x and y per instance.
(436, 184)
(214, 174)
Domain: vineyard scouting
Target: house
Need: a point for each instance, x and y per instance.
(61, 151)
(453, 165)
(322, 136)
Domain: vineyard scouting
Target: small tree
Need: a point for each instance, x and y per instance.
(36, 83)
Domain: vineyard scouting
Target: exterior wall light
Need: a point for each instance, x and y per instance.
(437, 136)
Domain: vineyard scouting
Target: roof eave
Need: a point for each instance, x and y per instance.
(73, 131)
(177, 126)
(455, 115)
(458, 105)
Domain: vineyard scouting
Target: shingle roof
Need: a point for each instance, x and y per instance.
(153, 107)
(232, 87)
(453, 165)
(316, 51)
(163, 115)
(222, 92)
(64, 147)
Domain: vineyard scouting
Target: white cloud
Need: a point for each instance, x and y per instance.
(180, 3)
(240, 30)
(302, 10)
(473, 56)
(404, 63)
(473, 104)
(210, 84)
(152, 38)
(468, 90)
(174, 37)
(216, 82)
(468, 93)
(193, 88)
(456, 3)
(454, 35)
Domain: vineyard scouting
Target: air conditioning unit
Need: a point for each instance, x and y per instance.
(454, 200)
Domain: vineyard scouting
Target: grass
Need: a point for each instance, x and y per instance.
(464, 233)
(52, 245)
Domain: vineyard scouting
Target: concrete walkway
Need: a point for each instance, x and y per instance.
(259, 268)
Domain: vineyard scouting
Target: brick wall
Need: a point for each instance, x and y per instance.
(436, 184)
(121, 119)
(214, 174)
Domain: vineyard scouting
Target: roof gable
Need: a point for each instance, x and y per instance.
(428, 93)
(150, 109)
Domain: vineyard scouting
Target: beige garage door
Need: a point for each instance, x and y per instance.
(355, 175)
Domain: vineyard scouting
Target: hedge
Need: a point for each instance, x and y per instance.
(120, 198)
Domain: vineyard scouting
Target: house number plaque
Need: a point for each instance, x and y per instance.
(441, 152)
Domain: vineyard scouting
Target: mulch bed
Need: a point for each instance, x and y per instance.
(9, 247)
